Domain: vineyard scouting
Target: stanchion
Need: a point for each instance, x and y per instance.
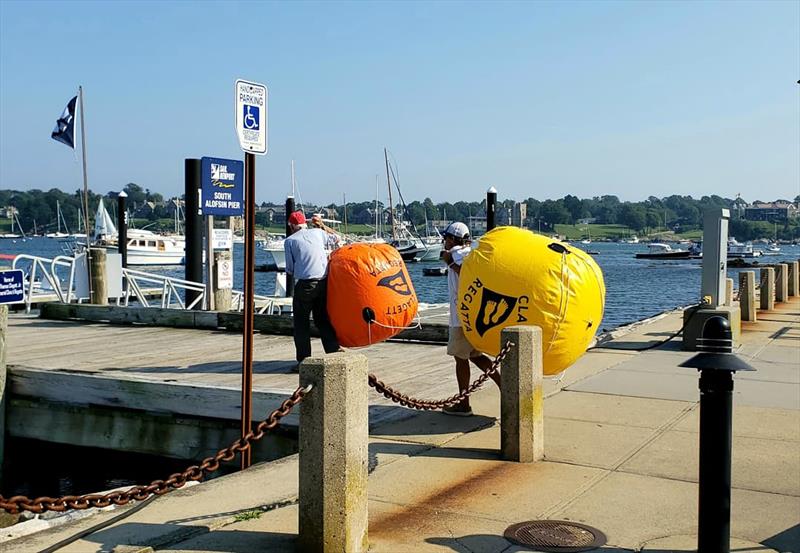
(491, 208)
(716, 364)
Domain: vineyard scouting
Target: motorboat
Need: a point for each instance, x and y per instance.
(658, 250)
(738, 250)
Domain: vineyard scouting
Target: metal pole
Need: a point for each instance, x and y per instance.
(391, 207)
(249, 293)
(122, 234)
(85, 192)
(194, 227)
(714, 520)
(210, 263)
(289, 209)
(491, 207)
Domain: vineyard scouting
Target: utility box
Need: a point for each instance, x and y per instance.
(713, 285)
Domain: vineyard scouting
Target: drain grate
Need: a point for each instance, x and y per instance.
(555, 536)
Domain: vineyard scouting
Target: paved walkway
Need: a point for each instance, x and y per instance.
(621, 456)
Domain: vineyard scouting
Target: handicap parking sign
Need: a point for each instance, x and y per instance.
(251, 116)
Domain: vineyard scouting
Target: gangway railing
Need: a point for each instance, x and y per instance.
(55, 279)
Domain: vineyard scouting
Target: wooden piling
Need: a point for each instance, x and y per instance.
(223, 284)
(97, 257)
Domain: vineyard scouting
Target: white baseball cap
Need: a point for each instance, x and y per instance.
(459, 230)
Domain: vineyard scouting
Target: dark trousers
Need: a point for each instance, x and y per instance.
(311, 296)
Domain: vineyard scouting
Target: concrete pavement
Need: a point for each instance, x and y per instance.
(621, 436)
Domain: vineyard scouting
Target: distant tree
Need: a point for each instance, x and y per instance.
(136, 194)
(554, 213)
(633, 216)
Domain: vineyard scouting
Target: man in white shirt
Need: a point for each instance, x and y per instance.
(307, 262)
(456, 248)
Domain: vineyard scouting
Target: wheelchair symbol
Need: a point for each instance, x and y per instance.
(251, 117)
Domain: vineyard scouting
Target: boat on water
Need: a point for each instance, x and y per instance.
(657, 250)
(738, 250)
(144, 247)
(59, 218)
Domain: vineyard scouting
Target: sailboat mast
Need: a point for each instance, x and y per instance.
(85, 178)
(391, 205)
(344, 201)
(376, 207)
(293, 185)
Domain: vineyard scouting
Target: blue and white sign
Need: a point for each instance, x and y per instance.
(12, 287)
(223, 187)
(251, 116)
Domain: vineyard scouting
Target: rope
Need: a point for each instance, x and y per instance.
(19, 503)
(429, 404)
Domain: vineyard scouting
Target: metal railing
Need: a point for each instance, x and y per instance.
(55, 279)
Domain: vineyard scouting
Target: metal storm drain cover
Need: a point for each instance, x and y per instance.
(556, 536)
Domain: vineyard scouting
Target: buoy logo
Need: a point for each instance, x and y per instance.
(495, 309)
(396, 282)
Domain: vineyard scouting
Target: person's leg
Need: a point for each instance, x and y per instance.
(301, 310)
(320, 309)
(484, 364)
(461, 408)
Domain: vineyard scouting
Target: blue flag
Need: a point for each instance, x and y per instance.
(65, 125)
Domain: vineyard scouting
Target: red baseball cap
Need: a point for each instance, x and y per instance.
(297, 218)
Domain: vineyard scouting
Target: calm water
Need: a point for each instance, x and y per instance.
(635, 288)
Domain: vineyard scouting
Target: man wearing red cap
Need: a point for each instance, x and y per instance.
(307, 262)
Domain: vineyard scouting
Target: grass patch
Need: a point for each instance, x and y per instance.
(248, 515)
(575, 232)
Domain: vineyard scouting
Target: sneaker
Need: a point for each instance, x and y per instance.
(458, 410)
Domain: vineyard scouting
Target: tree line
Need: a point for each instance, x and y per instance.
(675, 213)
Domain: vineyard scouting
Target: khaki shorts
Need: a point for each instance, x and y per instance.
(458, 345)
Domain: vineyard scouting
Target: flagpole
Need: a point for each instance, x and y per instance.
(85, 191)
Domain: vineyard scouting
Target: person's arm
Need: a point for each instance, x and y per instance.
(287, 252)
(453, 262)
(333, 237)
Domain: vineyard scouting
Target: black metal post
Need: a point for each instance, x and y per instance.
(491, 208)
(249, 297)
(194, 227)
(714, 520)
(289, 209)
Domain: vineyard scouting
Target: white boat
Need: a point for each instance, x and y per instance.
(738, 250)
(633, 240)
(657, 250)
(144, 247)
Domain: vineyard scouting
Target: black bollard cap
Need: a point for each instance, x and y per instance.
(716, 345)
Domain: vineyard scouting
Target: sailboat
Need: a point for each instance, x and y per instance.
(79, 235)
(59, 218)
(410, 247)
(144, 247)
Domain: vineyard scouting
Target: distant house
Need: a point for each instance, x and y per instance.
(328, 213)
(8, 212)
(276, 214)
(175, 204)
(145, 210)
(772, 211)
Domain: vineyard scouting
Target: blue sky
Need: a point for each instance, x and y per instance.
(539, 99)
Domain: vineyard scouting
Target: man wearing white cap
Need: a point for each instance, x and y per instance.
(456, 248)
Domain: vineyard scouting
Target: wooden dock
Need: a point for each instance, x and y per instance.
(176, 391)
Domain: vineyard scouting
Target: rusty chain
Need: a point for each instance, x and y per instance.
(19, 503)
(431, 404)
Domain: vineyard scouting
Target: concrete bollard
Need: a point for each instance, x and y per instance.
(747, 295)
(97, 258)
(3, 376)
(334, 439)
(781, 282)
(522, 396)
(728, 291)
(767, 289)
(794, 278)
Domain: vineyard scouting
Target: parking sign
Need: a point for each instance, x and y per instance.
(251, 116)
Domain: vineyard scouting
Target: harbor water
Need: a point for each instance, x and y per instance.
(636, 289)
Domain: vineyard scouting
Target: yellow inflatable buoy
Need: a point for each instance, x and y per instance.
(516, 277)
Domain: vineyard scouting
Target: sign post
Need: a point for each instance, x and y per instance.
(221, 193)
(251, 128)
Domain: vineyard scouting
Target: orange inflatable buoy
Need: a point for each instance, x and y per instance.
(370, 295)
